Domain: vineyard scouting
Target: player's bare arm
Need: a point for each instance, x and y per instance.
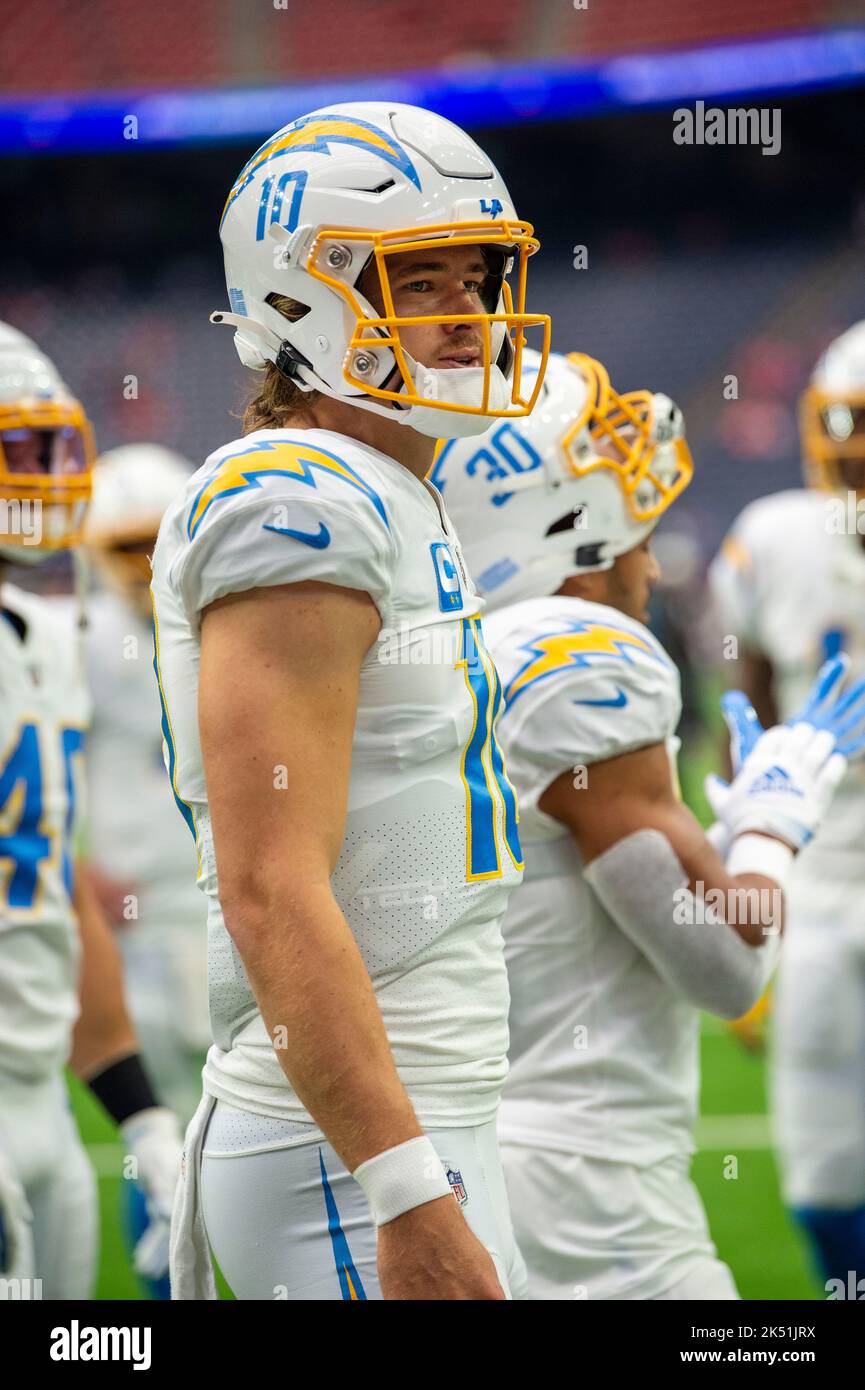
(640, 846)
(103, 1033)
(635, 792)
(276, 849)
(286, 661)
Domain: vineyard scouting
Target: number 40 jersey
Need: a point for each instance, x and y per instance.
(431, 844)
(44, 711)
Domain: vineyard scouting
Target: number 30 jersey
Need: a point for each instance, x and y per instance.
(431, 844)
(44, 710)
(604, 1056)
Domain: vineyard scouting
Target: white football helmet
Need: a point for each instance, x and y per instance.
(132, 486)
(832, 416)
(46, 454)
(580, 481)
(351, 185)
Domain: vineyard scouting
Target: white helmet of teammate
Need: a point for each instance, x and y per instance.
(132, 486)
(582, 480)
(832, 416)
(46, 454)
(354, 185)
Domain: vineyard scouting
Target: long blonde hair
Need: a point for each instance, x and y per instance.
(279, 400)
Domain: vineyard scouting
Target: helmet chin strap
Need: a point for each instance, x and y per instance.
(457, 385)
(430, 419)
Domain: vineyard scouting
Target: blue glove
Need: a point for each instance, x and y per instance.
(743, 724)
(844, 715)
(745, 731)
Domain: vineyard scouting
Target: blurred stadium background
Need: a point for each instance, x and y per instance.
(702, 262)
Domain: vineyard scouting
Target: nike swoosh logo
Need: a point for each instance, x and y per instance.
(317, 539)
(619, 702)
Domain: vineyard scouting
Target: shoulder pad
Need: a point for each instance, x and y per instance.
(585, 684)
(279, 510)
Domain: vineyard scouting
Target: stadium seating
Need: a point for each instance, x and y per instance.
(85, 45)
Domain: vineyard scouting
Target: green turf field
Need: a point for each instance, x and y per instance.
(746, 1217)
(747, 1220)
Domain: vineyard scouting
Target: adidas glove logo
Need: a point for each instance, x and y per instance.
(774, 779)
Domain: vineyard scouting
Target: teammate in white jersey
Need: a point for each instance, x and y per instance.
(331, 716)
(628, 920)
(55, 947)
(142, 862)
(789, 582)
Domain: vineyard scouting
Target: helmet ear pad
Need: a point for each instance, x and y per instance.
(498, 263)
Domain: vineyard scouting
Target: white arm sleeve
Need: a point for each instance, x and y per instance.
(644, 888)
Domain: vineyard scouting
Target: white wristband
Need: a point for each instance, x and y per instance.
(758, 854)
(398, 1179)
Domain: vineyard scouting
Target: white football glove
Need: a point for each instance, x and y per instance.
(781, 806)
(154, 1140)
(784, 787)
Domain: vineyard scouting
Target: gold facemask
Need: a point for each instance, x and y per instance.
(46, 460)
(832, 430)
(383, 331)
(652, 473)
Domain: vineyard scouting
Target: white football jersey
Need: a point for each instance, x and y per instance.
(134, 833)
(603, 1058)
(431, 845)
(792, 589)
(44, 712)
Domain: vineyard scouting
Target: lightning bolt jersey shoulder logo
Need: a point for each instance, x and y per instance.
(316, 135)
(576, 645)
(247, 469)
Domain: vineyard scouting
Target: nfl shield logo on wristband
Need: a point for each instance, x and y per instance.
(455, 1178)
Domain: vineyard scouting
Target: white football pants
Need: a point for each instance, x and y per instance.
(818, 1064)
(51, 1189)
(291, 1223)
(593, 1229)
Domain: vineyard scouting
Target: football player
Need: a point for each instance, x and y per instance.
(629, 920)
(331, 710)
(142, 865)
(789, 583)
(61, 995)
